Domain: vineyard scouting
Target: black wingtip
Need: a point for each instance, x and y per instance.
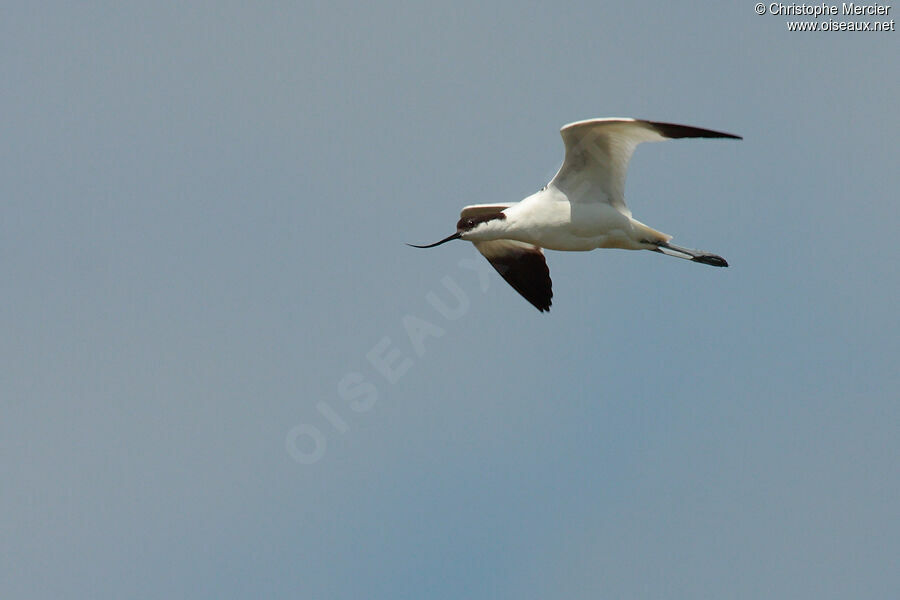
(675, 131)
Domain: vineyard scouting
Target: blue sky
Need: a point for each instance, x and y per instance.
(202, 230)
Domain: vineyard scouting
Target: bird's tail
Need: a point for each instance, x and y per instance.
(695, 255)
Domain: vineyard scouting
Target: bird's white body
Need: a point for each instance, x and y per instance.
(548, 219)
(581, 208)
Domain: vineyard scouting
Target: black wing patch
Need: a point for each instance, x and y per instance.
(524, 267)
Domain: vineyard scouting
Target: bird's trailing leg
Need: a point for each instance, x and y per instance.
(695, 255)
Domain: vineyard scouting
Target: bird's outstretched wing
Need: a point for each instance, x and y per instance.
(523, 267)
(598, 152)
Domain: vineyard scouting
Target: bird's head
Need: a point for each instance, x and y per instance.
(474, 228)
(481, 227)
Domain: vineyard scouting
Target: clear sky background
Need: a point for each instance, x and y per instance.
(202, 221)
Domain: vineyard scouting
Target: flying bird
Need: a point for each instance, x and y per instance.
(582, 208)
